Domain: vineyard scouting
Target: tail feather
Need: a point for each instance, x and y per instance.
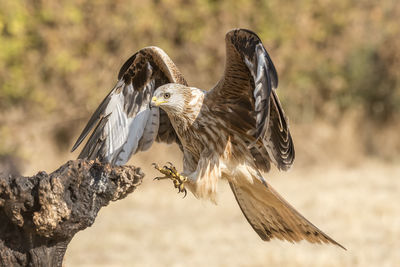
(273, 217)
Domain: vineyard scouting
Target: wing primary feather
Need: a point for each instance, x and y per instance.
(93, 119)
(124, 123)
(247, 93)
(94, 140)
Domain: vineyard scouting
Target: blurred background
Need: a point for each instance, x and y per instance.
(339, 69)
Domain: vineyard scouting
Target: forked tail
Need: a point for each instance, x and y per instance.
(271, 216)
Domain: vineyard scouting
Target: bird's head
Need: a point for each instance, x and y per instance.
(170, 97)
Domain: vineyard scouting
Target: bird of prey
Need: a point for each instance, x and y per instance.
(234, 131)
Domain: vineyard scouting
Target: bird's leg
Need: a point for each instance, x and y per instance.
(170, 172)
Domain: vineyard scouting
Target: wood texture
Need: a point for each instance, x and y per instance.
(39, 215)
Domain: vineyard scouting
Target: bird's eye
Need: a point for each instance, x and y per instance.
(167, 95)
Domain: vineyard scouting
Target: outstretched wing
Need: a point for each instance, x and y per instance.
(246, 100)
(124, 122)
(273, 217)
(245, 97)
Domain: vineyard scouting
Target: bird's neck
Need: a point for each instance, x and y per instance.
(186, 120)
(193, 105)
(187, 116)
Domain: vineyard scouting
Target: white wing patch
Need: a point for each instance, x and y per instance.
(151, 130)
(132, 135)
(124, 124)
(123, 133)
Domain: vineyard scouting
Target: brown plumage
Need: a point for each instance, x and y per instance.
(233, 131)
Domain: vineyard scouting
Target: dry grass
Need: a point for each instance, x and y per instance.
(357, 206)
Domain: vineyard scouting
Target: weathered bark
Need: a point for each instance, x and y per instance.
(39, 215)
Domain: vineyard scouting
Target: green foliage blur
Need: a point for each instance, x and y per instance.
(333, 56)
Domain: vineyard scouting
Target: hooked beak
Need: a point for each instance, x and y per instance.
(155, 102)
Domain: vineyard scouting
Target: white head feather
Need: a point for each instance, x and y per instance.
(171, 97)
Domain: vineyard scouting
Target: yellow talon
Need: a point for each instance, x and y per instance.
(170, 172)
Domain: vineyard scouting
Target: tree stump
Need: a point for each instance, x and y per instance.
(39, 215)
